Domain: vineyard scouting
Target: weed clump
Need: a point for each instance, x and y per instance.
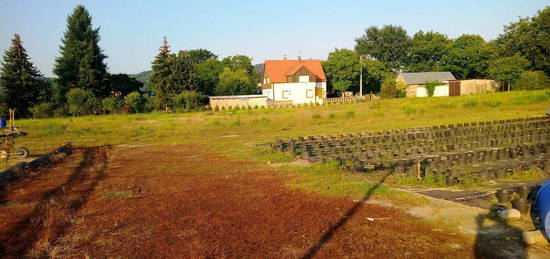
(470, 104)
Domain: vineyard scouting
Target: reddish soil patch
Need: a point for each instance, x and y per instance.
(178, 201)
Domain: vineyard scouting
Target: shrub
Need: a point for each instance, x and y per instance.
(470, 104)
(135, 102)
(42, 110)
(150, 103)
(189, 100)
(81, 102)
(532, 80)
(492, 104)
(111, 104)
(316, 116)
(430, 87)
(389, 88)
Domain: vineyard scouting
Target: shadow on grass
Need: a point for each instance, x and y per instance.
(329, 233)
(51, 217)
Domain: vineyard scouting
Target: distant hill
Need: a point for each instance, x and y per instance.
(142, 76)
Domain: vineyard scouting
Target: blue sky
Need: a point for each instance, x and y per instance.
(132, 31)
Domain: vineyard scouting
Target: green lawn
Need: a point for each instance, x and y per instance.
(235, 133)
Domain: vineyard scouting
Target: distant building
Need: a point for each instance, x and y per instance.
(238, 101)
(294, 81)
(416, 84)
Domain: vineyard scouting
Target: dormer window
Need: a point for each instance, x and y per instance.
(303, 79)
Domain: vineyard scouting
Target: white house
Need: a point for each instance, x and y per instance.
(294, 81)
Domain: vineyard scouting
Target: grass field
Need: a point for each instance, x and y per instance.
(235, 133)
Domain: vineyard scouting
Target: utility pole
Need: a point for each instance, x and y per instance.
(361, 76)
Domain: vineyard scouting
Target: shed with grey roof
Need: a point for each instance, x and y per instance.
(424, 77)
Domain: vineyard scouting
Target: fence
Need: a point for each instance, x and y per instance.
(351, 99)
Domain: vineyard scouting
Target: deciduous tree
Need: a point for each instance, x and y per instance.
(529, 37)
(389, 44)
(507, 70)
(532, 80)
(468, 57)
(426, 51)
(342, 70)
(234, 82)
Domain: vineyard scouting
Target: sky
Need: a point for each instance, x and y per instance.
(132, 30)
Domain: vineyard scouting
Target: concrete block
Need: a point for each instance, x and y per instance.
(509, 214)
(534, 237)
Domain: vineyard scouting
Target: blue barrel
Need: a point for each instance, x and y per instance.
(2, 123)
(543, 203)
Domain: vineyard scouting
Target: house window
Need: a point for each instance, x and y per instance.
(286, 94)
(309, 93)
(303, 79)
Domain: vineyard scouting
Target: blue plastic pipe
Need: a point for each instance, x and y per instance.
(543, 203)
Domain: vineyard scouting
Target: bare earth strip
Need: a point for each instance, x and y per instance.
(178, 201)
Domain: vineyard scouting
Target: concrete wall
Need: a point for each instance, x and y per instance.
(440, 90)
(477, 86)
(238, 101)
(296, 92)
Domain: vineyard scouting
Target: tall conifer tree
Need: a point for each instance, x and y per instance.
(161, 78)
(19, 79)
(81, 64)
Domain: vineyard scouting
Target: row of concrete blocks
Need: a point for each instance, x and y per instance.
(417, 137)
(452, 172)
(484, 154)
(307, 149)
(462, 158)
(539, 122)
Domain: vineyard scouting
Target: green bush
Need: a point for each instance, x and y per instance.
(150, 103)
(135, 101)
(189, 100)
(111, 104)
(532, 80)
(470, 104)
(430, 87)
(42, 110)
(492, 104)
(81, 102)
(388, 88)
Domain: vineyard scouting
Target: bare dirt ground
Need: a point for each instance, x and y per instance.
(178, 201)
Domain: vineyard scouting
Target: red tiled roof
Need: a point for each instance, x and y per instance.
(278, 70)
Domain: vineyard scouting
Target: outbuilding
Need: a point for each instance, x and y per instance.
(238, 101)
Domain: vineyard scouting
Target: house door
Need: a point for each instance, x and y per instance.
(319, 93)
(454, 88)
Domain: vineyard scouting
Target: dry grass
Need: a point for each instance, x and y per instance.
(236, 133)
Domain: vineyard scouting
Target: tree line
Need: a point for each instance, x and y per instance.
(82, 85)
(519, 58)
